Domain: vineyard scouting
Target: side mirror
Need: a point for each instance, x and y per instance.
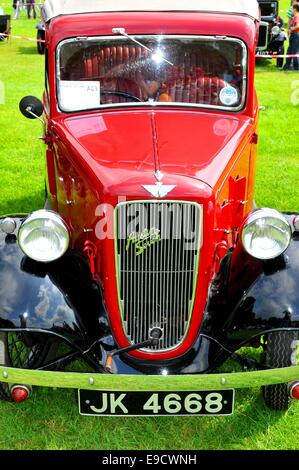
(31, 107)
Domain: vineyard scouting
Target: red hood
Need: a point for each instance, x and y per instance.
(125, 148)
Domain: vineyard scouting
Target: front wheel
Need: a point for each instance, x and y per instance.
(40, 45)
(23, 351)
(281, 350)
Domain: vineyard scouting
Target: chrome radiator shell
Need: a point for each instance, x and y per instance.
(157, 249)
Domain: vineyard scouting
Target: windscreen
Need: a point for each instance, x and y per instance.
(156, 70)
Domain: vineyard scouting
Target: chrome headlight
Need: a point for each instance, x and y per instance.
(43, 236)
(266, 234)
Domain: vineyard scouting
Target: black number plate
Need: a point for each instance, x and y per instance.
(112, 403)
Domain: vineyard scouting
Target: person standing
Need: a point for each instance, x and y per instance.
(294, 40)
(31, 6)
(290, 12)
(290, 19)
(17, 5)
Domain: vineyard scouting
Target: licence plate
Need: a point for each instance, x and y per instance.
(140, 403)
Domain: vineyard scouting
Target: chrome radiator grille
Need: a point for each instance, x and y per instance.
(157, 257)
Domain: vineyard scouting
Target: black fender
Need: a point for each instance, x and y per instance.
(250, 296)
(60, 297)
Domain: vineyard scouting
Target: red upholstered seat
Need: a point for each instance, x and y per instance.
(196, 87)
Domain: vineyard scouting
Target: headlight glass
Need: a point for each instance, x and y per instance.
(44, 236)
(266, 234)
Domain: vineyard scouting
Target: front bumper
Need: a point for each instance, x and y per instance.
(89, 381)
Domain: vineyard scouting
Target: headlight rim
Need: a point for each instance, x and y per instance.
(52, 216)
(261, 213)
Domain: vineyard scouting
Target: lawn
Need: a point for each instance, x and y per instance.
(50, 420)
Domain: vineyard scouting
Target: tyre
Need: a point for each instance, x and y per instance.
(40, 45)
(22, 351)
(280, 347)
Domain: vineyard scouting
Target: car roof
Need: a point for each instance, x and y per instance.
(54, 8)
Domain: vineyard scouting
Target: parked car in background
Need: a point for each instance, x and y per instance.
(150, 261)
(272, 36)
(5, 21)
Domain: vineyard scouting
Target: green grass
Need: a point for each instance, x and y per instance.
(21, 153)
(50, 420)
(278, 162)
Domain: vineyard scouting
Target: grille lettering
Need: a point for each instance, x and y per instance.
(143, 241)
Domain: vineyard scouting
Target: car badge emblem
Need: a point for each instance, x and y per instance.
(143, 241)
(159, 189)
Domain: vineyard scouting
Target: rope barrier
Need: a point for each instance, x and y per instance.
(257, 56)
(20, 37)
(276, 56)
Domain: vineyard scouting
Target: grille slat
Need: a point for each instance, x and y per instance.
(157, 264)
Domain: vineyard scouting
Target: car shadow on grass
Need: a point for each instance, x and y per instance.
(27, 50)
(260, 62)
(267, 65)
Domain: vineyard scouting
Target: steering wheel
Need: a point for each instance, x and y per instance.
(122, 93)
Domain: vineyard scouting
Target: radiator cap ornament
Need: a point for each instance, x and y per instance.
(159, 189)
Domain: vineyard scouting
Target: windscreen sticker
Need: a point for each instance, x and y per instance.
(229, 96)
(76, 96)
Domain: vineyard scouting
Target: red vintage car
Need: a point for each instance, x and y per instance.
(150, 261)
